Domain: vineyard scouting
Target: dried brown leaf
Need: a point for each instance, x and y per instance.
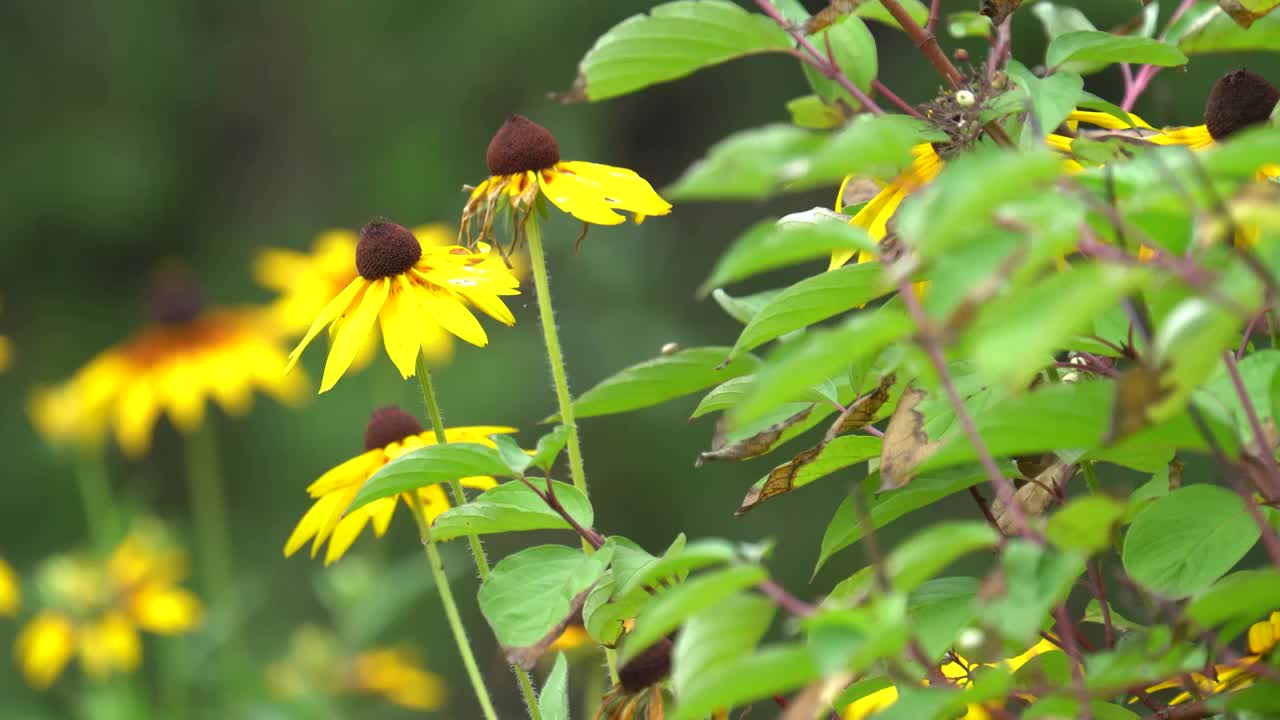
(780, 480)
(830, 14)
(754, 446)
(905, 442)
(1036, 496)
(1137, 390)
(862, 412)
(998, 10)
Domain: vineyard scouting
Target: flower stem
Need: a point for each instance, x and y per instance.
(460, 498)
(546, 314)
(209, 516)
(100, 515)
(450, 607)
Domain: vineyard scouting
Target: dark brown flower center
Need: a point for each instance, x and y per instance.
(1239, 100)
(174, 298)
(387, 425)
(386, 249)
(521, 145)
(648, 668)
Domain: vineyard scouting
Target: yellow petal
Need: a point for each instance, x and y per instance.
(135, 415)
(309, 524)
(435, 235)
(1196, 137)
(443, 307)
(1105, 120)
(44, 647)
(10, 590)
(578, 197)
(381, 512)
(335, 309)
(354, 330)
(622, 187)
(341, 500)
(1264, 635)
(346, 532)
(110, 644)
(401, 324)
(865, 707)
(166, 610)
(434, 502)
(182, 389)
(353, 472)
(874, 218)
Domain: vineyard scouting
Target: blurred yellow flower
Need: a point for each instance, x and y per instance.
(1262, 638)
(524, 164)
(413, 291)
(10, 590)
(390, 433)
(96, 610)
(315, 665)
(958, 670)
(307, 281)
(874, 216)
(184, 358)
(6, 353)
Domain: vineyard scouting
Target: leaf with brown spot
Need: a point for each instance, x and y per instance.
(527, 657)
(862, 412)
(1245, 13)
(817, 462)
(1036, 496)
(754, 446)
(827, 16)
(1137, 390)
(905, 442)
(780, 480)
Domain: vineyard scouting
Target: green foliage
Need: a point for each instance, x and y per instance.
(528, 594)
(671, 608)
(512, 507)
(1093, 46)
(429, 465)
(770, 245)
(660, 379)
(553, 701)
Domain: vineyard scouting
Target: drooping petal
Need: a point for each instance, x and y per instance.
(353, 331)
(622, 187)
(109, 644)
(401, 322)
(44, 647)
(1105, 120)
(381, 511)
(336, 308)
(578, 197)
(1196, 137)
(346, 532)
(349, 473)
(444, 307)
(309, 525)
(342, 500)
(874, 218)
(166, 610)
(135, 415)
(183, 398)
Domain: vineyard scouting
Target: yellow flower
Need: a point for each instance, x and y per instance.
(1262, 639)
(412, 290)
(306, 282)
(391, 432)
(97, 610)
(10, 590)
(874, 216)
(957, 670)
(524, 164)
(395, 674)
(317, 665)
(185, 357)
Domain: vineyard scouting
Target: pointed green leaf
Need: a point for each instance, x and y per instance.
(670, 608)
(430, 465)
(1100, 47)
(748, 165)
(797, 238)
(769, 671)
(812, 300)
(512, 507)
(665, 377)
(531, 592)
(553, 701)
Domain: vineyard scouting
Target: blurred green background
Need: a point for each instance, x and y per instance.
(194, 131)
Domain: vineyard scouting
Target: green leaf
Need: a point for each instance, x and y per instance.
(954, 209)
(669, 609)
(663, 378)
(872, 146)
(673, 40)
(1260, 372)
(1059, 19)
(1035, 580)
(553, 701)
(1189, 344)
(797, 238)
(795, 368)
(604, 614)
(928, 552)
(875, 11)
(1206, 29)
(968, 24)
(716, 637)
(745, 307)
(1180, 544)
(812, 300)
(512, 507)
(1010, 344)
(1086, 523)
(1052, 708)
(531, 592)
(845, 528)
(810, 111)
(430, 465)
(678, 561)
(1100, 47)
(517, 460)
(767, 672)
(854, 50)
(1093, 614)
(1242, 596)
(1052, 98)
(549, 447)
(852, 639)
(939, 609)
(748, 165)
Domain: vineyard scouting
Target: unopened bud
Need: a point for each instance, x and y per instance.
(670, 348)
(965, 98)
(960, 55)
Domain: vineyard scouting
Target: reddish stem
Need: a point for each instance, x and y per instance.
(892, 97)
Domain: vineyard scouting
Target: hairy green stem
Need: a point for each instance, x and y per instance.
(542, 286)
(209, 516)
(451, 607)
(460, 498)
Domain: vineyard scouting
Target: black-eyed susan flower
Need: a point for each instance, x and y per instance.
(1262, 638)
(184, 358)
(390, 433)
(307, 281)
(10, 590)
(875, 214)
(524, 165)
(317, 665)
(958, 671)
(96, 610)
(407, 286)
